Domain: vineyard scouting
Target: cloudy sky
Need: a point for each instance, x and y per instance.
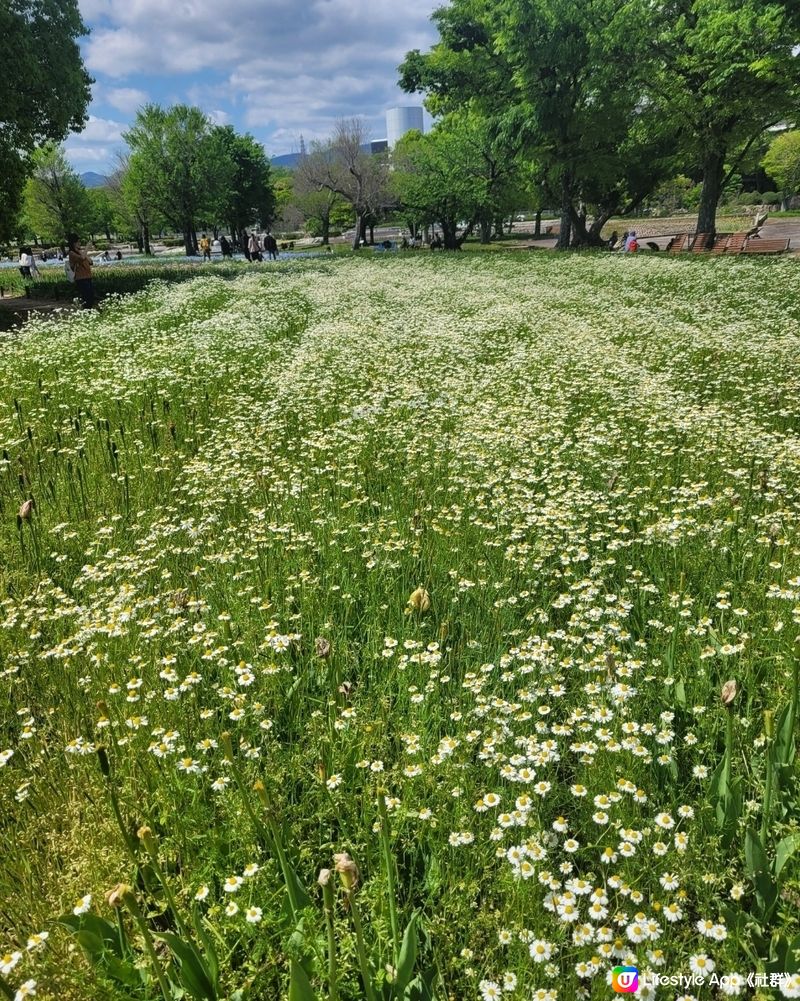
(275, 68)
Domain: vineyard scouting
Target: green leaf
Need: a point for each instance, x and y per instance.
(300, 988)
(408, 956)
(758, 868)
(99, 935)
(209, 948)
(784, 852)
(783, 750)
(754, 855)
(192, 970)
(680, 694)
(121, 971)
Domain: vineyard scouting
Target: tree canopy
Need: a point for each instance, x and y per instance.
(44, 88)
(182, 161)
(611, 99)
(56, 202)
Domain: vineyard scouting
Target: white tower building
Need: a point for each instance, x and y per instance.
(402, 120)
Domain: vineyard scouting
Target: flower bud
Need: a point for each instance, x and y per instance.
(324, 877)
(117, 896)
(348, 871)
(145, 835)
(261, 792)
(322, 647)
(227, 746)
(769, 723)
(728, 693)
(419, 600)
(26, 510)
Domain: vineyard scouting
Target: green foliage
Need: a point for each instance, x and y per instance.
(56, 202)
(250, 197)
(44, 90)
(552, 72)
(782, 161)
(180, 163)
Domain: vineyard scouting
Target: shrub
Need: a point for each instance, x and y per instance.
(770, 198)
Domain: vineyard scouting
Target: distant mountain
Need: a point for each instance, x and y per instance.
(286, 160)
(291, 160)
(92, 180)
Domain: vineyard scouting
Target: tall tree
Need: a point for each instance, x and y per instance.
(250, 197)
(782, 162)
(180, 161)
(44, 88)
(56, 202)
(101, 212)
(132, 202)
(723, 71)
(347, 169)
(556, 74)
(317, 203)
(462, 170)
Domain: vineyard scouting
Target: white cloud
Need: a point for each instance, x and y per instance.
(125, 99)
(97, 144)
(279, 66)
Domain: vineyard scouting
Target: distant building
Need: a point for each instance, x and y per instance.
(379, 146)
(402, 120)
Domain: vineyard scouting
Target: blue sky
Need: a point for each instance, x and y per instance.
(274, 68)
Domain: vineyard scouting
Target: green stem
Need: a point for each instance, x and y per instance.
(360, 949)
(728, 745)
(795, 697)
(767, 796)
(6, 990)
(170, 896)
(333, 986)
(291, 889)
(151, 952)
(390, 875)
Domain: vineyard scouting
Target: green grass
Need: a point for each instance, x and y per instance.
(441, 561)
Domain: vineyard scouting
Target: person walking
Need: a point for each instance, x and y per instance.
(82, 269)
(27, 263)
(271, 246)
(254, 247)
(225, 247)
(246, 244)
(205, 247)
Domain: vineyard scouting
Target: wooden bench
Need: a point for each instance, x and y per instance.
(701, 242)
(736, 243)
(721, 243)
(757, 246)
(678, 243)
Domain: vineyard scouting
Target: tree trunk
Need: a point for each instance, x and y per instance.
(565, 229)
(713, 168)
(486, 230)
(326, 230)
(537, 229)
(139, 241)
(146, 239)
(187, 241)
(360, 228)
(449, 237)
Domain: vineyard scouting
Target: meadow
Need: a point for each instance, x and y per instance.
(414, 628)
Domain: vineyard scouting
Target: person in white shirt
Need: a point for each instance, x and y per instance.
(27, 263)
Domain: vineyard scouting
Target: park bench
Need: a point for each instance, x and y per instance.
(736, 243)
(758, 246)
(678, 243)
(701, 242)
